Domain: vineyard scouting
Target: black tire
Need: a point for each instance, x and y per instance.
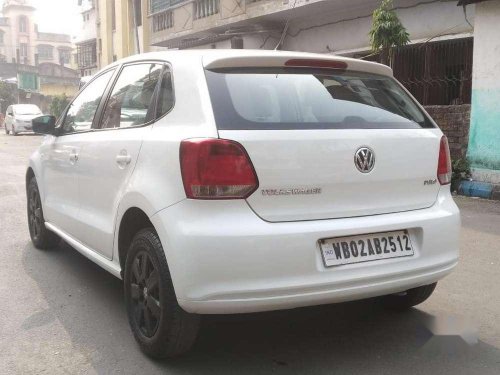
(408, 299)
(41, 237)
(160, 326)
(6, 131)
(13, 130)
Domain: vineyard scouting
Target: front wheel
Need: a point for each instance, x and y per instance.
(160, 326)
(409, 298)
(41, 237)
(13, 130)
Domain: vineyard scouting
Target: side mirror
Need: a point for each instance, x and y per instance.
(44, 125)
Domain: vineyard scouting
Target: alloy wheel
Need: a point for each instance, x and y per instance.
(35, 213)
(145, 294)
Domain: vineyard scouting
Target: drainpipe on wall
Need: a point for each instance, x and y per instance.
(136, 30)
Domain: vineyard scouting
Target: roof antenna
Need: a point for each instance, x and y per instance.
(285, 30)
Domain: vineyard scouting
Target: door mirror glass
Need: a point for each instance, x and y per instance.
(44, 125)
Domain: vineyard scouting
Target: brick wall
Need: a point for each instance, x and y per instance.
(454, 121)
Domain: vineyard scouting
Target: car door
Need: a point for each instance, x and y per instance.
(110, 153)
(59, 156)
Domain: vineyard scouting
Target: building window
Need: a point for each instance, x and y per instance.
(23, 50)
(138, 12)
(23, 24)
(87, 54)
(438, 73)
(45, 52)
(64, 56)
(2, 37)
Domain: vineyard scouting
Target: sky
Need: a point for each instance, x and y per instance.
(57, 16)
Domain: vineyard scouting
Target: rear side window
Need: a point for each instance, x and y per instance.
(132, 97)
(285, 98)
(166, 95)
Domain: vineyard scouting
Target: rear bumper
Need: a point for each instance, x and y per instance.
(225, 259)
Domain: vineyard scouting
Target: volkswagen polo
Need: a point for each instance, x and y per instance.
(221, 182)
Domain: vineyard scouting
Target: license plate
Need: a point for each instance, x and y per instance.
(368, 247)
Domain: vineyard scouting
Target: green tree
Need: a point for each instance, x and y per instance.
(387, 32)
(8, 95)
(58, 104)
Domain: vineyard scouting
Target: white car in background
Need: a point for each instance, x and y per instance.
(221, 182)
(18, 118)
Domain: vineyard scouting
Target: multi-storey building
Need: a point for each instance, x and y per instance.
(86, 41)
(22, 42)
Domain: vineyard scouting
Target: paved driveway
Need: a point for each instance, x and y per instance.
(60, 313)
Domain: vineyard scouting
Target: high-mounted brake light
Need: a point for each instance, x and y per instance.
(311, 63)
(444, 163)
(216, 169)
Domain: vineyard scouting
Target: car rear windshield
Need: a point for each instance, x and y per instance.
(291, 98)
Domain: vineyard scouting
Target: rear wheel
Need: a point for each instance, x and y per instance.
(160, 326)
(408, 299)
(41, 237)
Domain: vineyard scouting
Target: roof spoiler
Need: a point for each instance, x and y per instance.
(294, 60)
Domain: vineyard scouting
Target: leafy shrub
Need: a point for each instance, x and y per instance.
(460, 171)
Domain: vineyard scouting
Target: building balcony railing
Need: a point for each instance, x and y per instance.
(205, 8)
(163, 21)
(170, 18)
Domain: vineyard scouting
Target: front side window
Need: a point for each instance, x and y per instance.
(81, 112)
(285, 98)
(132, 97)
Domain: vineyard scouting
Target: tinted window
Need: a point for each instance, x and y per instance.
(132, 96)
(82, 110)
(310, 99)
(166, 96)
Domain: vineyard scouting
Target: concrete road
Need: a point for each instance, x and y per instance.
(60, 313)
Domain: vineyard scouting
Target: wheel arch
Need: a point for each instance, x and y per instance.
(30, 173)
(133, 220)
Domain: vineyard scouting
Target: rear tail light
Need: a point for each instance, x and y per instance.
(216, 169)
(444, 163)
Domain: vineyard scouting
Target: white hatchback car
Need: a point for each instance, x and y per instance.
(18, 118)
(219, 182)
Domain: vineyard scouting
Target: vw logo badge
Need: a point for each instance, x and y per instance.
(364, 159)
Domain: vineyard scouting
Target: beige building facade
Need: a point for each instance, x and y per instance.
(123, 29)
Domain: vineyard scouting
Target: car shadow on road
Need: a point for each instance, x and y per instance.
(356, 337)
